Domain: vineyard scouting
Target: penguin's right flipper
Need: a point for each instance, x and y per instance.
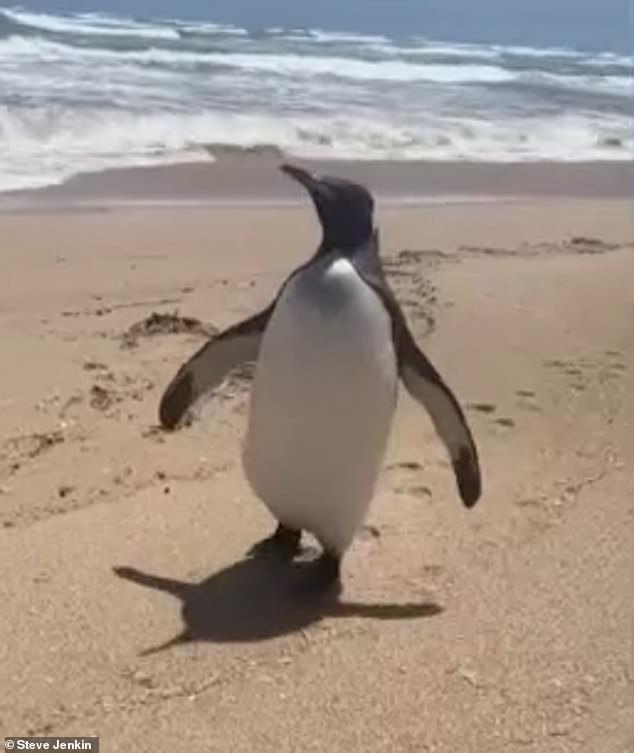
(208, 368)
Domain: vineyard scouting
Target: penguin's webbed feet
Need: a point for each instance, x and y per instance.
(322, 578)
(282, 545)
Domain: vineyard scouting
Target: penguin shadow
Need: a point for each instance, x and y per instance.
(253, 600)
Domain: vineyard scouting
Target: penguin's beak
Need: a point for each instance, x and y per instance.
(310, 183)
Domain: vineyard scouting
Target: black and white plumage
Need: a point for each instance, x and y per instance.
(329, 353)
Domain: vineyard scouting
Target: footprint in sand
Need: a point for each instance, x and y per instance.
(158, 323)
(420, 491)
(91, 365)
(616, 365)
(555, 363)
(583, 245)
(481, 407)
(584, 371)
(417, 490)
(488, 409)
(408, 465)
(417, 293)
(412, 488)
(526, 401)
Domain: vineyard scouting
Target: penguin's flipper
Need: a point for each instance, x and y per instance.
(426, 386)
(208, 368)
(423, 382)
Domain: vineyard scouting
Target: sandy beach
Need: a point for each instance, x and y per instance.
(236, 180)
(128, 609)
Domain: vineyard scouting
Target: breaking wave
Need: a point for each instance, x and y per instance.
(90, 91)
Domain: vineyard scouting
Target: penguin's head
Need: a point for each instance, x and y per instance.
(345, 209)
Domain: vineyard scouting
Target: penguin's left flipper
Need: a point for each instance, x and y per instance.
(208, 367)
(426, 386)
(424, 383)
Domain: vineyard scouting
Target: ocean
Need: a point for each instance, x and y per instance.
(90, 90)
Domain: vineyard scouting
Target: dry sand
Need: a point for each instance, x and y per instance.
(505, 628)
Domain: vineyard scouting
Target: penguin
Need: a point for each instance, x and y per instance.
(329, 351)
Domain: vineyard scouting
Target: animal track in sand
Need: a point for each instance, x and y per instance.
(574, 245)
(113, 390)
(420, 490)
(482, 407)
(549, 507)
(582, 245)
(409, 465)
(489, 251)
(416, 490)
(165, 324)
(108, 309)
(409, 273)
(90, 365)
(15, 451)
(108, 394)
(424, 254)
(583, 372)
(527, 400)
(117, 485)
(101, 398)
(488, 409)
(411, 468)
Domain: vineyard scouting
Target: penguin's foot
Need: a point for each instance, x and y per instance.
(284, 544)
(321, 578)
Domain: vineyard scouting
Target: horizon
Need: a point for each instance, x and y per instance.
(576, 24)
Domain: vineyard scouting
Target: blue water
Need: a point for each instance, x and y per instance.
(592, 25)
(103, 83)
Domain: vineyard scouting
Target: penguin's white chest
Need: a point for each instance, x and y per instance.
(323, 398)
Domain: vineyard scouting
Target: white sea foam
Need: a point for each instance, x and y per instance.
(289, 64)
(205, 28)
(497, 52)
(48, 146)
(338, 36)
(90, 23)
(457, 51)
(539, 52)
(362, 69)
(19, 48)
(74, 98)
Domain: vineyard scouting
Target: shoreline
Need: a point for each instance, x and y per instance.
(256, 181)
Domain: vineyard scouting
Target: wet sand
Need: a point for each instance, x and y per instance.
(256, 180)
